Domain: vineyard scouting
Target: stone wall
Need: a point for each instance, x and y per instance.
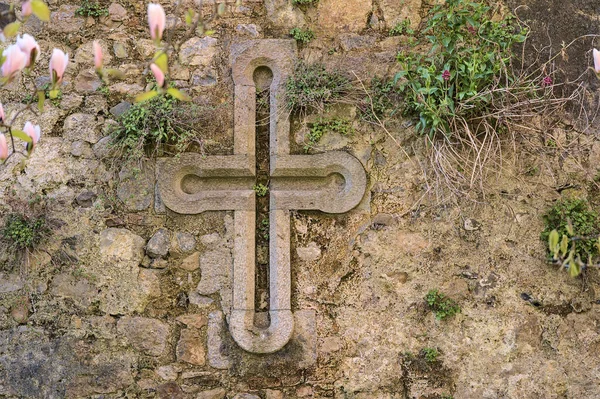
(127, 299)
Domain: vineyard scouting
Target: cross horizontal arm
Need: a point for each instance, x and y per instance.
(194, 183)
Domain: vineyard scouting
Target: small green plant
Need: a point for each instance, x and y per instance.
(104, 90)
(260, 189)
(302, 35)
(22, 232)
(572, 230)
(91, 9)
(304, 2)
(469, 56)
(441, 305)
(312, 88)
(402, 28)
(430, 354)
(381, 101)
(264, 228)
(320, 127)
(151, 124)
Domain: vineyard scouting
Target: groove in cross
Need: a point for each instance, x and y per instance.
(332, 182)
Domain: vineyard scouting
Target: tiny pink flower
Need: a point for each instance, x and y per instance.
(15, 61)
(156, 20)
(58, 65)
(547, 81)
(97, 56)
(596, 55)
(34, 132)
(3, 147)
(446, 75)
(158, 75)
(472, 30)
(26, 8)
(2, 116)
(29, 46)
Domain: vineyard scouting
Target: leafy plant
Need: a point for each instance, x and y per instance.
(430, 354)
(304, 2)
(312, 87)
(91, 9)
(260, 189)
(149, 125)
(402, 28)
(319, 128)
(302, 35)
(572, 231)
(469, 54)
(381, 100)
(22, 232)
(441, 305)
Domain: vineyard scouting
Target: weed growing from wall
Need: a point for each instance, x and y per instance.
(572, 229)
(442, 306)
(91, 9)
(469, 55)
(22, 232)
(312, 88)
(320, 127)
(302, 35)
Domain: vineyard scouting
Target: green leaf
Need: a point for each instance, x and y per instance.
(54, 93)
(145, 96)
(12, 29)
(553, 241)
(161, 60)
(41, 99)
(20, 135)
(178, 94)
(40, 10)
(115, 73)
(574, 269)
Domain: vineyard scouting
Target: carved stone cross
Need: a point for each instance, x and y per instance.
(332, 182)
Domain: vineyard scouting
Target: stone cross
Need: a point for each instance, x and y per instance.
(332, 182)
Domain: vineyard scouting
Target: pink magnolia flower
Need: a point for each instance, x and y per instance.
(3, 147)
(58, 65)
(29, 46)
(26, 8)
(156, 20)
(596, 55)
(34, 132)
(2, 116)
(15, 60)
(159, 75)
(97, 56)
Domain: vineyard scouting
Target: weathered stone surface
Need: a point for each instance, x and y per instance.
(159, 245)
(65, 21)
(79, 290)
(81, 148)
(273, 394)
(283, 14)
(120, 108)
(215, 265)
(352, 17)
(145, 334)
(120, 50)
(102, 148)
(123, 290)
(10, 283)
(87, 82)
(217, 393)
(86, 199)
(81, 127)
(169, 390)
(246, 396)
(117, 12)
(395, 12)
(169, 372)
(309, 253)
(193, 320)
(136, 187)
(70, 101)
(84, 55)
(190, 348)
(248, 30)
(121, 245)
(183, 242)
(351, 42)
(198, 51)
